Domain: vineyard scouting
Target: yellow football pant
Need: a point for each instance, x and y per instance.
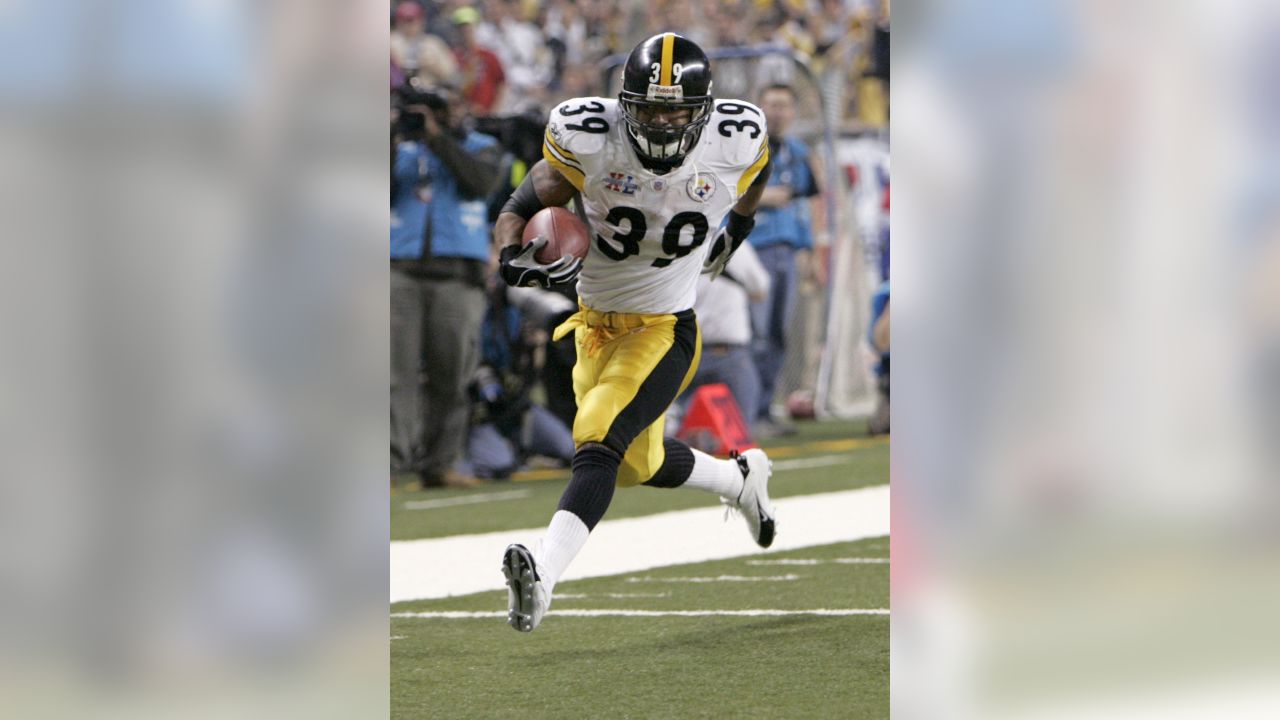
(630, 368)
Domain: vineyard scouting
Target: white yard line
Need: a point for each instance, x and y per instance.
(812, 561)
(463, 564)
(810, 462)
(467, 500)
(718, 578)
(465, 615)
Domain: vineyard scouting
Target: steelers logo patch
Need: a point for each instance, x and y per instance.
(702, 186)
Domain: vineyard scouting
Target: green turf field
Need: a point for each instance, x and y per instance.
(611, 662)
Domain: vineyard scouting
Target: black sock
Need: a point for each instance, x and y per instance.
(676, 466)
(595, 471)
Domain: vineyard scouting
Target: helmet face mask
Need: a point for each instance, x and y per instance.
(666, 98)
(664, 132)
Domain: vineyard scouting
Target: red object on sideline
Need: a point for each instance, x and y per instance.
(714, 423)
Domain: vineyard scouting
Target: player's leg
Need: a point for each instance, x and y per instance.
(633, 385)
(622, 389)
(659, 461)
(742, 481)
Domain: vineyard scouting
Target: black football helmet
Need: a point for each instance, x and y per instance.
(665, 75)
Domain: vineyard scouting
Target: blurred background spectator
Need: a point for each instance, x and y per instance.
(443, 176)
(416, 53)
(723, 310)
(525, 53)
(821, 235)
(783, 239)
(508, 428)
(482, 77)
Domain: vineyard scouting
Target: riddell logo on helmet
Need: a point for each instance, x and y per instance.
(666, 92)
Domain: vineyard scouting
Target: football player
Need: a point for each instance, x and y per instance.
(655, 172)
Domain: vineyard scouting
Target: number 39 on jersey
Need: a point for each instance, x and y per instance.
(650, 230)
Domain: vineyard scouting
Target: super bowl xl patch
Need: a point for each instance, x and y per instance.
(702, 186)
(621, 183)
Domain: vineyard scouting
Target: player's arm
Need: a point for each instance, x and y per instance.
(543, 187)
(740, 222)
(751, 199)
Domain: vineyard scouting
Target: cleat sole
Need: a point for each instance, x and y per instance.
(518, 570)
(766, 533)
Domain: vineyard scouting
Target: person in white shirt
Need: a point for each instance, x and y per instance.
(724, 312)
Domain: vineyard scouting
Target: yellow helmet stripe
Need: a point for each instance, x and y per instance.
(668, 49)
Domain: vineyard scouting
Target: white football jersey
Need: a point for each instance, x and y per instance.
(651, 233)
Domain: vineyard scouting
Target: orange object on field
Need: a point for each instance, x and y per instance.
(714, 423)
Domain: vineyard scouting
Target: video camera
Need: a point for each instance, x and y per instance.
(521, 135)
(413, 93)
(409, 94)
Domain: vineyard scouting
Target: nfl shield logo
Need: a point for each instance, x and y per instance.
(701, 187)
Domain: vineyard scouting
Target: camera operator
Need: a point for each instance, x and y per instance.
(508, 426)
(443, 174)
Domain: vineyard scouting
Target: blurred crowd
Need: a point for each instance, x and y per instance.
(514, 56)
(477, 389)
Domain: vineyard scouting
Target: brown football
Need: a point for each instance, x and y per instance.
(566, 234)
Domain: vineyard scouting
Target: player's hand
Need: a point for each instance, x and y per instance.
(520, 269)
(722, 248)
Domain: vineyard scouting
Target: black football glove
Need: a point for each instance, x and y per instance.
(520, 269)
(726, 242)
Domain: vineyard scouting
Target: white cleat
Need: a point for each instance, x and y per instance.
(753, 502)
(527, 599)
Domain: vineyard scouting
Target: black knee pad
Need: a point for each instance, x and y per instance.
(677, 464)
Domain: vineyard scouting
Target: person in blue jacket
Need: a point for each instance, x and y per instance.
(782, 235)
(442, 176)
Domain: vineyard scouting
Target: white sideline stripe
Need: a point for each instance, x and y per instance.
(464, 564)
(614, 596)
(811, 561)
(467, 500)
(464, 615)
(718, 578)
(810, 462)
